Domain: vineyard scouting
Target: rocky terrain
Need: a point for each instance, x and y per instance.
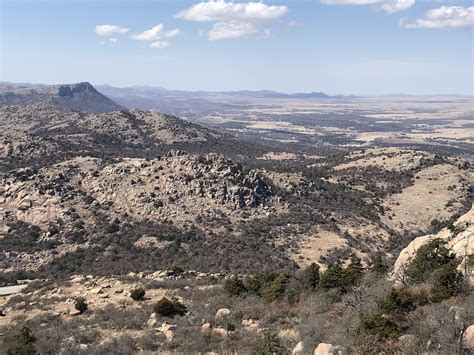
(80, 97)
(217, 319)
(247, 238)
(210, 213)
(40, 133)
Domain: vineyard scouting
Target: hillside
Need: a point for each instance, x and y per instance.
(39, 134)
(80, 96)
(355, 309)
(111, 222)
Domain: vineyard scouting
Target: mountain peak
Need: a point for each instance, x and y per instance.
(71, 89)
(77, 96)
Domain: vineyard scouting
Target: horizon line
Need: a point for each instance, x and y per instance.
(95, 84)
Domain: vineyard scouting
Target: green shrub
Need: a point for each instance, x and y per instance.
(447, 282)
(177, 270)
(398, 301)
(81, 305)
(429, 258)
(379, 267)
(276, 290)
(310, 276)
(234, 286)
(379, 325)
(138, 294)
(21, 343)
(230, 327)
(268, 344)
(169, 308)
(353, 273)
(253, 285)
(333, 277)
(422, 297)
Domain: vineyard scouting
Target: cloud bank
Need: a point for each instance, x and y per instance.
(232, 20)
(444, 17)
(388, 6)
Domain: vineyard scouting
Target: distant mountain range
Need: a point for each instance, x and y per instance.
(258, 94)
(79, 97)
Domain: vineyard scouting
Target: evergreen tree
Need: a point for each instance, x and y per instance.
(310, 276)
(333, 277)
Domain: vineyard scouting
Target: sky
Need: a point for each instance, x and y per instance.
(361, 47)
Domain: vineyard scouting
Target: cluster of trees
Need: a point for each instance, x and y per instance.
(273, 287)
(431, 277)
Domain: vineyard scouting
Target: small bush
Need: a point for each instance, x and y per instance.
(268, 344)
(333, 277)
(234, 286)
(353, 273)
(398, 301)
(21, 343)
(422, 297)
(310, 276)
(253, 285)
(382, 327)
(169, 308)
(137, 294)
(177, 270)
(230, 327)
(81, 305)
(276, 290)
(379, 267)
(447, 282)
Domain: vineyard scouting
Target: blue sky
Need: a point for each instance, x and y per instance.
(375, 47)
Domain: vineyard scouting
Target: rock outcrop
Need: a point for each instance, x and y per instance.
(326, 349)
(80, 97)
(460, 240)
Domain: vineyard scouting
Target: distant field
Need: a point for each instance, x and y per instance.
(439, 124)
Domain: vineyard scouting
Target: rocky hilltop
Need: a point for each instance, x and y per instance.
(80, 97)
(40, 134)
(174, 205)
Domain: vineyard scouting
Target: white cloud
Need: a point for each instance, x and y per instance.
(444, 17)
(109, 30)
(220, 11)
(113, 40)
(160, 44)
(389, 6)
(156, 33)
(392, 6)
(350, 2)
(233, 20)
(222, 30)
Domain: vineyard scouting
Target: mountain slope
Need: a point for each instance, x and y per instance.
(80, 97)
(38, 134)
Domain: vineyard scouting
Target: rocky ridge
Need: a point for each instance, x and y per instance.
(80, 97)
(39, 134)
